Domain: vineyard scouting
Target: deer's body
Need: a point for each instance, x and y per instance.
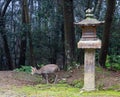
(45, 70)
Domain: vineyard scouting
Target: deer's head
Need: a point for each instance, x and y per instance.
(33, 70)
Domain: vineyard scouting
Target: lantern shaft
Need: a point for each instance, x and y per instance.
(89, 70)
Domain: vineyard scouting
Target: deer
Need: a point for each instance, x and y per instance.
(46, 70)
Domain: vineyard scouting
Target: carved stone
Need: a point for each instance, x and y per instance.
(89, 42)
(89, 70)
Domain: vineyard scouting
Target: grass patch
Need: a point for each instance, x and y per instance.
(61, 90)
(105, 93)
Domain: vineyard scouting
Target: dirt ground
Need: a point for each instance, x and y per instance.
(104, 78)
(10, 78)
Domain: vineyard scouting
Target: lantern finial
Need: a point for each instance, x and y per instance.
(89, 14)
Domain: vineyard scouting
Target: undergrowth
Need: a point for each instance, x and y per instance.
(26, 69)
(113, 62)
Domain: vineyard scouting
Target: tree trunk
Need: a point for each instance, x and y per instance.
(5, 44)
(23, 36)
(95, 5)
(69, 32)
(89, 4)
(26, 32)
(4, 37)
(22, 50)
(97, 9)
(106, 33)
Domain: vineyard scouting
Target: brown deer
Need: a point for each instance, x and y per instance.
(45, 70)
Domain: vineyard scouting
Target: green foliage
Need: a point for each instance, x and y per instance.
(40, 65)
(115, 37)
(116, 66)
(77, 83)
(26, 69)
(107, 64)
(100, 86)
(73, 65)
(63, 81)
(113, 62)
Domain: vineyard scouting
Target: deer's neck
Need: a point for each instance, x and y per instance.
(38, 71)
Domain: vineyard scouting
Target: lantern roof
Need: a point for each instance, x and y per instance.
(89, 20)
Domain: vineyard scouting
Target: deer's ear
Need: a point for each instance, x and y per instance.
(32, 67)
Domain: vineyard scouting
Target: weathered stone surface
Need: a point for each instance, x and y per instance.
(89, 21)
(89, 70)
(89, 44)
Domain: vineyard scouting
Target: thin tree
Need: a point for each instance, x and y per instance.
(97, 8)
(89, 3)
(32, 59)
(4, 36)
(68, 32)
(25, 33)
(106, 32)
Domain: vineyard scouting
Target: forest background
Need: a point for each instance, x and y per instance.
(37, 32)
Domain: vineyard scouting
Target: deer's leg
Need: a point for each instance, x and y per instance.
(56, 76)
(46, 78)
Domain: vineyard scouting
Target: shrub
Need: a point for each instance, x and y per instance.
(77, 83)
(26, 69)
(113, 62)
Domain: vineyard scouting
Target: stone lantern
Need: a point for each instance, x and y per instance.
(89, 42)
